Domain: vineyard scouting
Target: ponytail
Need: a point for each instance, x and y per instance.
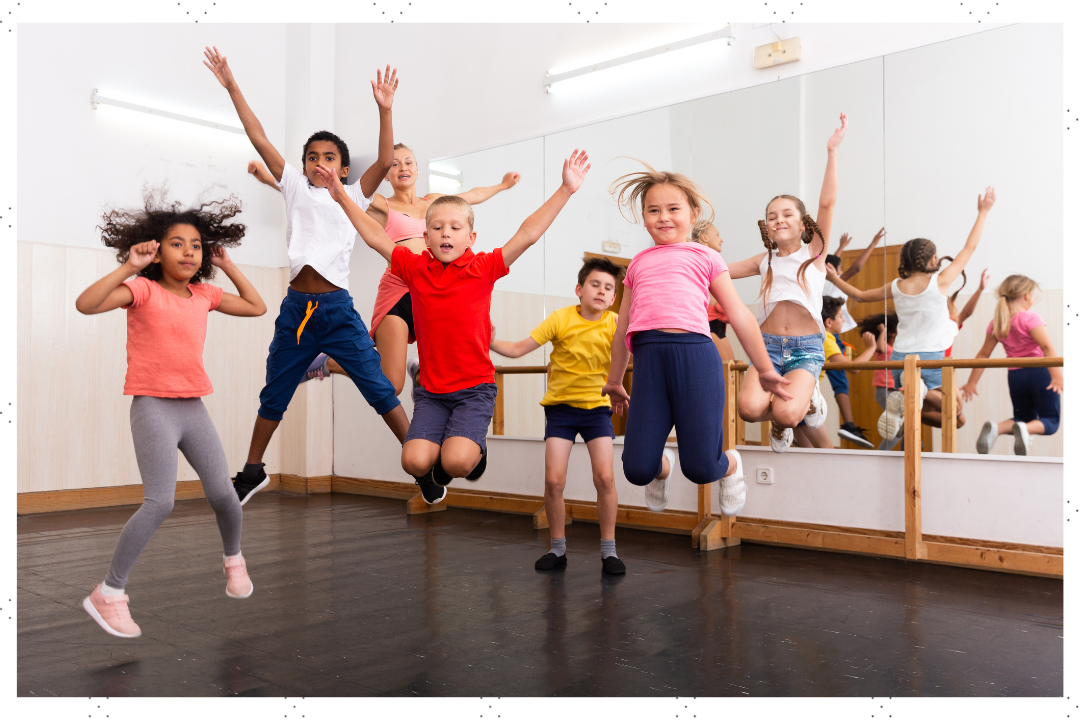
(1002, 319)
(1011, 288)
(766, 284)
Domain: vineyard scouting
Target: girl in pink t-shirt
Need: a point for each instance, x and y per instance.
(1035, 392)
(172, 251)
(678, 378)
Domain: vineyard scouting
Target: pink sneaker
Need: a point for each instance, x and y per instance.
(239, 585)
(111, 613)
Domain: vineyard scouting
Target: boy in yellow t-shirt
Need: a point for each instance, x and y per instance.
(580, 337)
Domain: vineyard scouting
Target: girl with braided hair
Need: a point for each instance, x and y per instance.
(924, 327)
(793, 276)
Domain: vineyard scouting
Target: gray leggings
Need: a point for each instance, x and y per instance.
(159, 426)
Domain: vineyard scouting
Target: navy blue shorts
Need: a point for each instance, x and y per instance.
(567, 422)
(463, 413)
(332, 326)
(1032, 401)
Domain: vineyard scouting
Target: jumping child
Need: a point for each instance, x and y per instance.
(172, 251)
(678, 379)
(317, 313)
(1035, 392)
(790, 312)
(924, 326)
(580, 337)
(451, 296)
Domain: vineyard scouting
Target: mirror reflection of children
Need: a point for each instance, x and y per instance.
(705, 233)
(880, 331)
(922, 310)
(678, 378)
(832, 314)
(580, 337)
(790, 310)
(451, 290)
(1035, 392)
(172, 252)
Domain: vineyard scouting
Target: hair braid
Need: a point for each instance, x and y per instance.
(770, 246)
(811, 230)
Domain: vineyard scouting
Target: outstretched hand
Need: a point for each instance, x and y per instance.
(830, 273)
(333, 182)
(845, 239)
(219, 65)
(620, 399)
(510, 179)
(869, 339)
(968, 391)
(984, 279)
(142, 254)
(877, 238)
(987, 201)
(384, 87)
(574, 170)
(771, 382)
(838, 134)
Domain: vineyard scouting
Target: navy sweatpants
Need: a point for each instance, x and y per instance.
(307, 325)
(678, 381)
(1032, 401)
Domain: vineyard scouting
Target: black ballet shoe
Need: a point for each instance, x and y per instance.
(551, 561)
(613, 566)
(480, 467)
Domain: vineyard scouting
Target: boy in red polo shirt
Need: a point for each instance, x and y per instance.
(451, 293)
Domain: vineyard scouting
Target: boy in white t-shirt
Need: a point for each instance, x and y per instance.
(317, 314)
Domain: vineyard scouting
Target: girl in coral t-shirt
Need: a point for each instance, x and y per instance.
(172, 251)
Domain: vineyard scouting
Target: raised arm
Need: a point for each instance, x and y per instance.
(248, 303)
(383, 88)
(620, 358)
(973, 302)
(744, 324)
(863, 257)
(109, 293)
(829, 188)
(953, 269)
(574, 170)
(745, 268)
(261, 174)
(970, 389)
(369, 229)
(254, 129)
(512, 349)
(875, 295)
(478, 195)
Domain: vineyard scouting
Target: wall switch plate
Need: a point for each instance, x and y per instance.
(764, 476)
(777, 53)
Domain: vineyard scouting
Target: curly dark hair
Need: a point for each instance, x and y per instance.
(123, 229)
(343, 149)
(870, 324)
(603, 265)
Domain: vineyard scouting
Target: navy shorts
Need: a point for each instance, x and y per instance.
(567, 422)
(463, 413)
(838, 378)
(307, 325)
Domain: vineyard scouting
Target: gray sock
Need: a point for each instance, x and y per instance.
(558, 546)
(607, 549)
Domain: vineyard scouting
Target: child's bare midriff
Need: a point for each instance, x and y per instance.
(310, 282)
(789, 319)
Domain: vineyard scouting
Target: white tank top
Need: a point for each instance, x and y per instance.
(785, 285)
(923, 322)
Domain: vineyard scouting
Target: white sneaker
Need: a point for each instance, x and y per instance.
(892, 420)
(658, 491)
(815, 416)
(1022, 442)
(733, 488)
(987, 436)
(780, 439)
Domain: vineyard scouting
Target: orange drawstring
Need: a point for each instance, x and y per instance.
(306, 318)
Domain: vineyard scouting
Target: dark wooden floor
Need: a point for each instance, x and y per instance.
(354, 598)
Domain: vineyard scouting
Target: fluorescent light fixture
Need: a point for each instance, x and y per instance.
(444, 170)
(454, 175)
(554, 77)
(96, 99)
(442, 181)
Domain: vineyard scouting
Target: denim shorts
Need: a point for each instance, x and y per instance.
(567, 422)
(931, 377)
(805, 352)
(464, 413)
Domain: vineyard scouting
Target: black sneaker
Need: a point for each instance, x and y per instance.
(614, 566)
(849, 431)
(246, 487)
(480, 467)
(440, 476)
(433, 494)
(551, 561)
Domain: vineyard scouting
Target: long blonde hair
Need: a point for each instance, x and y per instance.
(631, 189)
(1011, 288)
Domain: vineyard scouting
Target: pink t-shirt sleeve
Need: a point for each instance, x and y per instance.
(140, 291)
(717, 265)
(1027, 321)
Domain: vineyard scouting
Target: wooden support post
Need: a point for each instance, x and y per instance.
(704, 502)
(948, 410)
(498, 422)
(912, 462)
(540, 520)
(712, 533)
(740, 424)
(766, 431)
(417, 506)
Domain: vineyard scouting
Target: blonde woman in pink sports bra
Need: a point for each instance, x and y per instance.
(403, 217)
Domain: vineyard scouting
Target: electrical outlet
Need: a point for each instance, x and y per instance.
(764, 476)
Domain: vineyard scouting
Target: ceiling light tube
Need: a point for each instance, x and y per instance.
(551, 78)
(455, 176)
(96, 99)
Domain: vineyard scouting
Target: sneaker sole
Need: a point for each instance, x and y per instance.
(1019, 445)
(238, 597)
(254, 490)
(982, 445)
(92, 612)
(863, 442)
